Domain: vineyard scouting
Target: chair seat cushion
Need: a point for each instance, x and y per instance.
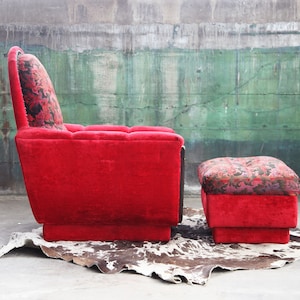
(248, 175)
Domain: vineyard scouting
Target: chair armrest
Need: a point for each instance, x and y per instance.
(78, 132)
(87, 170)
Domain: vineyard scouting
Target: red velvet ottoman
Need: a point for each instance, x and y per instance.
(249, 199)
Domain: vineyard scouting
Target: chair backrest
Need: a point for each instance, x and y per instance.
(34, 98)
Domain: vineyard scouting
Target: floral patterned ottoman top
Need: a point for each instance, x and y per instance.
(248, 175)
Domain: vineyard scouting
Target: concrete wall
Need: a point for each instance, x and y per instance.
(224, 74)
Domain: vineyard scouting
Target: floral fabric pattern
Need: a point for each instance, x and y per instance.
(40, 99)
(248, 175)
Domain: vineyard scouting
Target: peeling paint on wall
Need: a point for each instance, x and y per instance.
(241, 97)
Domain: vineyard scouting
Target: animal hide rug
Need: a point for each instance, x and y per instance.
(190, 256)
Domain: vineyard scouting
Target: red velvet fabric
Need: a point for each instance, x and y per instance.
(250, 218)
(107, 177)
(99, 182)
(251, 235)
(106, 232)
(251, 210)
(122, 128)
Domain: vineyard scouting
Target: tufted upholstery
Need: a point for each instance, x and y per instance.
(248, 175)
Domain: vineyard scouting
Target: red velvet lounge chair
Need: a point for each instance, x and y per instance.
(98, 182)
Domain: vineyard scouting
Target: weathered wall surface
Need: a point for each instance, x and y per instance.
(222, 73)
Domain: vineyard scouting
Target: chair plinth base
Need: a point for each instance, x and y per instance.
(55, 232)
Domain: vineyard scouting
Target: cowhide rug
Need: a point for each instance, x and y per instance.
(190, 256)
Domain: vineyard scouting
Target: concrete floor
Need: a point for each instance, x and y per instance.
(28, 274)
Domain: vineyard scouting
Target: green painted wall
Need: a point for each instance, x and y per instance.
(224, 102)
(240, 95)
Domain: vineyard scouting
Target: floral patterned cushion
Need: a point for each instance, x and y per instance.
(41, 104)
(248, 175)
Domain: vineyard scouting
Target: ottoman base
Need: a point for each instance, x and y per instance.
(251, 235)
(250, 218)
